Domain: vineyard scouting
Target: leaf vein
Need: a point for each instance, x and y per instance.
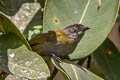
(83, 14)
(74, 72)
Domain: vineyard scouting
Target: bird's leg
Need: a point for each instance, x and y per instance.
(57, 58)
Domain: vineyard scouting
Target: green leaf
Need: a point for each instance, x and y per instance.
(108, 58)
(7, 41)
(13, 77)
(15, 58)
(59, 14)
(42, 2)
(2, 78)
(57, 65)
(33, 30)
(6, 26)
(74, 72)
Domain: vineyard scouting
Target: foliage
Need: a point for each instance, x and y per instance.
(19, 62)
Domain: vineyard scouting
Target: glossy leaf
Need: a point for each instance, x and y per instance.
(59, 14)
(108, 58)
(15, 58)
(74, 72)
(6, 26)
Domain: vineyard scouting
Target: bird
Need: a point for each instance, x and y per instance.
(58, 43)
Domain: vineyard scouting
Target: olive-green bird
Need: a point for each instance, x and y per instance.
(58, 43)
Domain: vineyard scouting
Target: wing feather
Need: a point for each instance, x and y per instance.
(44, 38)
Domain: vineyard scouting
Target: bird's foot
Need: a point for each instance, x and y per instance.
(57, 58)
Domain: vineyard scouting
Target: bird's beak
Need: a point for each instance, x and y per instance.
(86, 28)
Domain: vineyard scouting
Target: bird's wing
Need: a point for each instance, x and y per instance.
(50, 36)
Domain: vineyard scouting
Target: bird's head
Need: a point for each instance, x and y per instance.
(76, 31)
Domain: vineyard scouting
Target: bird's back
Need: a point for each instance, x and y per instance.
(56, 42)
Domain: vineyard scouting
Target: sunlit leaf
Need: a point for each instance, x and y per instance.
(13, 77)
(6, 26)
(15, 58)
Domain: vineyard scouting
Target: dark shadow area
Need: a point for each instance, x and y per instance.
(14, 6)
